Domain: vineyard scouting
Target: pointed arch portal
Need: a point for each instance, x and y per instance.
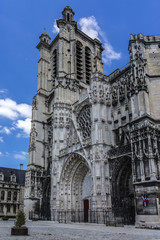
(123, 191)
(75, 185)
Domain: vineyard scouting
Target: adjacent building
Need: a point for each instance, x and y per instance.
(94, 148)
(12, 183)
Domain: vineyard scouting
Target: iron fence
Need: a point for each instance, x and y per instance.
(34, 216)
(111, 217)
(80, 216)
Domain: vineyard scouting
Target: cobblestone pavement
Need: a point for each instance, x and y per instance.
(47, 230)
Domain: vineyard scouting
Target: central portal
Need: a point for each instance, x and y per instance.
(75, 188)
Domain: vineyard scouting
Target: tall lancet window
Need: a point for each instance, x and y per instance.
(54, 60)
(79, 60)
(68, 17)
(84, 120)
(88, 64)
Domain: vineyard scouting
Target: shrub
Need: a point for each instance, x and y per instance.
(20, 219)
(5, 218)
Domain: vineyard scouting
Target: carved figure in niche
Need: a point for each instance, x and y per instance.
(121, 90)
(34, 103)
(107, 90)
(114, 95)
(101, 91)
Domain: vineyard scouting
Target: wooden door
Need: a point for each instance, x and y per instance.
(86, 208)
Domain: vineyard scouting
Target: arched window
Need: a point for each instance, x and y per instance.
(68, 17)
(15, 196)
(13, 178)
(79, 60)
(14, 208)
(1, 208)
(9, 196)
(2, 195)
(8, 208)
(1, 176)
(54, 61)
(88, 64)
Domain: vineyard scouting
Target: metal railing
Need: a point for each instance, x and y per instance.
(111, 217)
(80, 216)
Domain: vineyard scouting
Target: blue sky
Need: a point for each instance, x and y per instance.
(22, 22)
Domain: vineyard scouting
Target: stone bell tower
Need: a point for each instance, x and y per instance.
(59, 132)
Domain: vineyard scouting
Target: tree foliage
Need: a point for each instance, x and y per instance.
(20, 219)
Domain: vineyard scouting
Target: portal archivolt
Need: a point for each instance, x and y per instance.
(122, 190)
(71, 183)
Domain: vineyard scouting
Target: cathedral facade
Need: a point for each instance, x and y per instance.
(95, 139)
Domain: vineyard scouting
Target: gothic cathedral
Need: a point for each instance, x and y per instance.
(94, 152)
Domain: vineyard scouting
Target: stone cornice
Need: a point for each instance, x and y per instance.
(44, 44)
(152, 76)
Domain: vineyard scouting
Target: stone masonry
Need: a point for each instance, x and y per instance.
(95, 139)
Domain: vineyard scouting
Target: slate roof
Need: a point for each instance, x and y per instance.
(20, 174)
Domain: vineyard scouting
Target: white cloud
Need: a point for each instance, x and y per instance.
(10, 109)
(2, 91)
(13, 111)
(25, 153)
(90, 27)
(5, 130)
(22, 155)
(55, 28)
(19, 135)
(109, 54)
(19, 156)
(25, 126)
(24, 110)
(5, 154)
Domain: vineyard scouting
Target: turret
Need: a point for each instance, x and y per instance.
(45, 38)
(44, 61)
(68, 14)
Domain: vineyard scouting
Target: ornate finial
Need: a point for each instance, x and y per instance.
(68, 14)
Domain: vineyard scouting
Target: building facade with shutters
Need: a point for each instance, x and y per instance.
(12, 183)
(95, 139)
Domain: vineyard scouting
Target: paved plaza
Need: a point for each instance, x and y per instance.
(47, 230)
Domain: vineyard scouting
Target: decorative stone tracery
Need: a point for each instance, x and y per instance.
(145, 139)
(84, 121)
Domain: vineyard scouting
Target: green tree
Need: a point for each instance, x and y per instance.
(20, 219)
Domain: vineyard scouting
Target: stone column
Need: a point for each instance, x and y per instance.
(151, 159)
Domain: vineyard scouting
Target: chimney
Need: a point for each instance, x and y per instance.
(21, 166)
